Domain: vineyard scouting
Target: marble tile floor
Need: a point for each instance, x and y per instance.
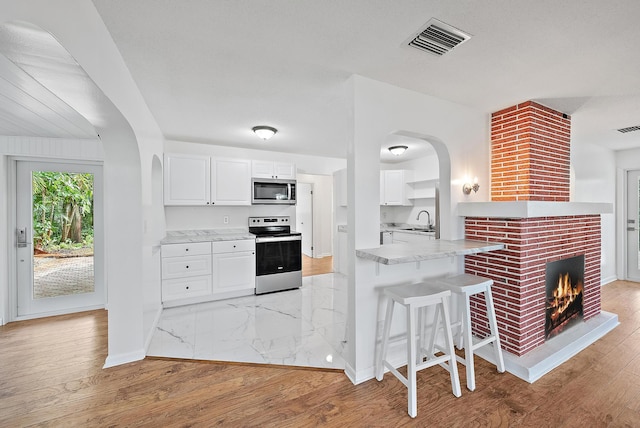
(303, 327)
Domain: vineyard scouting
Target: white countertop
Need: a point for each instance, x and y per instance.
(185, 236)
(392, 254)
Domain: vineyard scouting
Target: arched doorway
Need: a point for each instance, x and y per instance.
(62, 74)
(426, 159)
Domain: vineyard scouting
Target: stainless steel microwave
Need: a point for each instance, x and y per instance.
(273, 191)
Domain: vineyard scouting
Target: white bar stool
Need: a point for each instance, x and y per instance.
(464, 286)
(415, 298)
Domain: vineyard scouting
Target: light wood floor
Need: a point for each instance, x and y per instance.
(316, 266)
(51, 375)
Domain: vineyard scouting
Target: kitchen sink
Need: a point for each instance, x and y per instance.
(419, 229)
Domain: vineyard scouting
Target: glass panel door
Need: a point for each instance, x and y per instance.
(58, 212)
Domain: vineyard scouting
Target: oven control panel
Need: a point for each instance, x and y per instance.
(269, 221)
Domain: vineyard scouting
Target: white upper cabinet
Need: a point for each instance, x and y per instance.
(187, 179)
(393, 187)
(202, 180)
(268, 169)
(230, 181)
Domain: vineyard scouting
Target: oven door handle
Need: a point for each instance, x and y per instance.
(277, 239)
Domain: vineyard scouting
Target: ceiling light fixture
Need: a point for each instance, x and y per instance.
(264, 132)
(397, 150)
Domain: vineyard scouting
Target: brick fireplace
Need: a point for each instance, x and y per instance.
(518, 271)
(531, 214)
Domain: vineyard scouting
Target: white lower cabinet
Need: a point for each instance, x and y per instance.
(186, 288)
(234, 268)
(204, 271)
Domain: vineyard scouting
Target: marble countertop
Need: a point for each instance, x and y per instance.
(185, 236)
(393, 254)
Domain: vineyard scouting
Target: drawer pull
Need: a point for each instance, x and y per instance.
(187, 287)
(187, 266)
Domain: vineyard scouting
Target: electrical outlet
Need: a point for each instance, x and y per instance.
(226, 219)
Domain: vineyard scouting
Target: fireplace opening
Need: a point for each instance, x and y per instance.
(564, 285)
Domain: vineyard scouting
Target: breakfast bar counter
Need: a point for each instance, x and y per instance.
(393, 254)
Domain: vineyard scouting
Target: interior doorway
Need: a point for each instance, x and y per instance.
(409, 184)
(59, 238)
(304, 216)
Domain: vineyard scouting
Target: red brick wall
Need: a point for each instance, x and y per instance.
(530, 146)
(518, 271)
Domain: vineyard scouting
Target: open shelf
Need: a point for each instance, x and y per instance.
(424, 181)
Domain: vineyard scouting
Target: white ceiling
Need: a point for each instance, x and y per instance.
(210, 70)
(30, 60)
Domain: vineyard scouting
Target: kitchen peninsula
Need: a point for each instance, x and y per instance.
(427, 250)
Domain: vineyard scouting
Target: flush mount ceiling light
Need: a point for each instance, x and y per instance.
(397, 150)
(264, 132)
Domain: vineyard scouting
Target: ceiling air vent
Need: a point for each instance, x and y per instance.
(438, 38)
(629, 129)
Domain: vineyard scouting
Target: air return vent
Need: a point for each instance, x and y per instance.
(437, 38)
(629, 129)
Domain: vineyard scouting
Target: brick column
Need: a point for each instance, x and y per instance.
(530, 154)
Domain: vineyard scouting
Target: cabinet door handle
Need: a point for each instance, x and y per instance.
(187, 287)
(187, 266)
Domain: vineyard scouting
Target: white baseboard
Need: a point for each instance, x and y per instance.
(608, 280)
(359, 377)
(351, 373)
(130, 357)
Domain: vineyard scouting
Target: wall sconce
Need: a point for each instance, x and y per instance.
(468, 187)
(397, 150)
(264, 132)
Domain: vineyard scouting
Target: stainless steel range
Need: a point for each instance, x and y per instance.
(278, 254)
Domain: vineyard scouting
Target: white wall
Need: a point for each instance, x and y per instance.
(460, 137)
(594, 180)
(304, 164)
(322, 212)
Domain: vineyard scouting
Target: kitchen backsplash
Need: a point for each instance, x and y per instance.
(188, 218)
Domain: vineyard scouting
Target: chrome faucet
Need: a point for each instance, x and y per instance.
(428, 217)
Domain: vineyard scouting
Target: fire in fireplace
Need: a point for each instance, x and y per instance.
(564, 280)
